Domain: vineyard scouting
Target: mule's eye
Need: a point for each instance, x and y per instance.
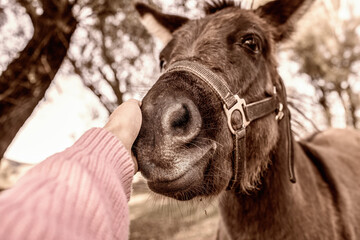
(252, 43)
(162, 64)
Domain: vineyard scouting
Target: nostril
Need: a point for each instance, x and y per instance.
(180, 118)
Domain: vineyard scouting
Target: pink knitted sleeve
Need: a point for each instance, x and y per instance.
(80, 193)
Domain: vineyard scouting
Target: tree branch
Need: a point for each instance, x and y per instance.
(90, 86)
(31, 72)
(30, 10)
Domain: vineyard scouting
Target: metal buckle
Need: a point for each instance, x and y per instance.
(239, 106)
(280, 114)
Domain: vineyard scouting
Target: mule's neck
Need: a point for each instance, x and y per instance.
(278, 208)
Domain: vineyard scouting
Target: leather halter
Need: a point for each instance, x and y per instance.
(232, 102)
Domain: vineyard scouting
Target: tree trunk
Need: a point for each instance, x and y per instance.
(324, 104)
(24, 83)
(352, 107)
(345, 106)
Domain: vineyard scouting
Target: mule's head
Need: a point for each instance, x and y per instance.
(185, 147)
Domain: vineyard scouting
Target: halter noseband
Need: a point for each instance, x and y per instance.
(232, 102)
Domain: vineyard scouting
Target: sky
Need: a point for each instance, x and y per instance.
(66, 113)
(68, 110)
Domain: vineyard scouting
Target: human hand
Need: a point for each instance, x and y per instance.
(125, 123)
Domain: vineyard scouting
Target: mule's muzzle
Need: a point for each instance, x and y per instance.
(167, 144)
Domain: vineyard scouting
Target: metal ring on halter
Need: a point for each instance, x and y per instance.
(240, 106)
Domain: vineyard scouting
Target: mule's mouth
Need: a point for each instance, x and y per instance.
(180, 184)
(191, 178)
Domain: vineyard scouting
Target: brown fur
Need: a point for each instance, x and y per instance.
(185, 148)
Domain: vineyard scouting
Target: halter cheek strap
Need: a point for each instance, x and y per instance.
(232, 102)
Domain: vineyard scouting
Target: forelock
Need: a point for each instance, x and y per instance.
(214, 6)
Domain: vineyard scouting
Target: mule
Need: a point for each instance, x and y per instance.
(216, 123)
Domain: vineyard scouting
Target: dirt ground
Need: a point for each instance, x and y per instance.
(11, 171)
(154, 217)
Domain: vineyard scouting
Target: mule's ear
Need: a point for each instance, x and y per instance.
(159, 24)
(283, 14)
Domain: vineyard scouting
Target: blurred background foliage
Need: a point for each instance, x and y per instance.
(327, 50)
